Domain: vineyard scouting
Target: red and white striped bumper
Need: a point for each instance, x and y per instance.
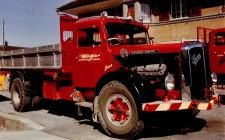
(178, 105)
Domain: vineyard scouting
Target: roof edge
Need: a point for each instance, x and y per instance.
(86, 6)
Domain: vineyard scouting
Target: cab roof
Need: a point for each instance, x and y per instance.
(109, 19)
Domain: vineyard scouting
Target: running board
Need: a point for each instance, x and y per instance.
(85, 104)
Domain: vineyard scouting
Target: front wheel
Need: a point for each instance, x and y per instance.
(20, 101)
(117, 111)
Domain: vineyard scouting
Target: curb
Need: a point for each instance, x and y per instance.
(12, 122)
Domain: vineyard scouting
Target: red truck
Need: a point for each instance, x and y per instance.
(215, 45)
(108, 64)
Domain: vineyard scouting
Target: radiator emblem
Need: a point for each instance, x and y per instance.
(195, 59)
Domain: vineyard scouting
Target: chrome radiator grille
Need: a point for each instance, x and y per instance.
(194, 69)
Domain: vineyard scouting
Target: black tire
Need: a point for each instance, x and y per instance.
(117, 111)
(34, 94)
(20, 101)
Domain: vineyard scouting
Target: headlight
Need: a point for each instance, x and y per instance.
(169, 82)
(214, 77)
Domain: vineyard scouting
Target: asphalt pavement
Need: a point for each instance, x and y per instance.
(15, 127)
(57, 121)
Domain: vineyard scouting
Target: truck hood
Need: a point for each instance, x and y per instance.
(146, 49)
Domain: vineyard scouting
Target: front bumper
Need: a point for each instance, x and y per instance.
(179, 105)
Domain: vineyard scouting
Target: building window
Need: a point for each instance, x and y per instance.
(185, 8)
(195, 8)
(179, 8)
(131, 11)
(164, 16)
(164, 10)
(175, 9)
(145, 12)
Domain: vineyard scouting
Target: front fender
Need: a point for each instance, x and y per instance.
(142, 86)
(139, 86)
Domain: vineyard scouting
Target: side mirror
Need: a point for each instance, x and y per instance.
(114, 41)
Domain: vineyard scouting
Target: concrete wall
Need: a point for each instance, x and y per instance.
(176, 30)
(211, 11)
(185, 30)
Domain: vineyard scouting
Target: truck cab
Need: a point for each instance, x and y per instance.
(90, 53)
(217, 50)
(215, 46)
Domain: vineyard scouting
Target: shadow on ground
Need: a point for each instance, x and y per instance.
(65, 108)
(3, 98)
(68, 108)
(157, 124)
(161, 124)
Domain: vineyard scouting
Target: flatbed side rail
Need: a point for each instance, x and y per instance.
(203, 34)
(43, 57)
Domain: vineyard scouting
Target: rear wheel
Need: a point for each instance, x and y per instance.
(33, 89)
(117, 111)
(20, 101)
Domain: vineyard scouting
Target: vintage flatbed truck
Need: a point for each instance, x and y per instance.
(107, 63)
(214, 40)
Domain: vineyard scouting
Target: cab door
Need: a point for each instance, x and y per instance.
(91, 56)
(217, 52)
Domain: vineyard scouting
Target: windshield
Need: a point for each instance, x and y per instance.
(126, 34)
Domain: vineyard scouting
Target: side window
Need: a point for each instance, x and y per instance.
(67, 36)
(220, 38)
(89, 37)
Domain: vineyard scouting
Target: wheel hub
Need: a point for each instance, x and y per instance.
(119, 110)
(16, 96)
